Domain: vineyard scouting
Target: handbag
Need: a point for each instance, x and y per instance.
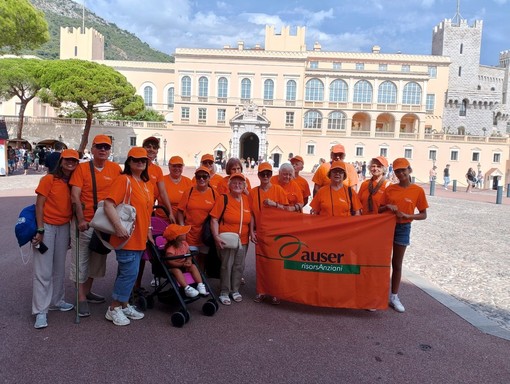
(126, 212)
(231, 240)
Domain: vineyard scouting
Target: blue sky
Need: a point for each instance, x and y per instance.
(339, 25)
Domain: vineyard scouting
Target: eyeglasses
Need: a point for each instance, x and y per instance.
(265, 174)
(337, 170)
(153, 146)
(202, 177)
(207, 162)
(104, 147)
(139, 160)
(400, 170)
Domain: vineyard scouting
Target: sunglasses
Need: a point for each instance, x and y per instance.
(201, 177)
(153, 146)
(71, 160)
(207, 162)
(104, 147)
(265, 174)
(140, 160)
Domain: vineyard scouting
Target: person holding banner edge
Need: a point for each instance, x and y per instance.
(402, 199)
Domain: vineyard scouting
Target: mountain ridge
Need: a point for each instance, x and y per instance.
(119, 44)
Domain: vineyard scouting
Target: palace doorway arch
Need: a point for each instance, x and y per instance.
(249, 146)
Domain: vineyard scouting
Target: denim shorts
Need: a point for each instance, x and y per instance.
(402, 234)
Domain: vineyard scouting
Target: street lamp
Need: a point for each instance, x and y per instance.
(164, 151)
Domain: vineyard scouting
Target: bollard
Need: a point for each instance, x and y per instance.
(499, 194)
(432, 188)
(454, 186)
(508, 190)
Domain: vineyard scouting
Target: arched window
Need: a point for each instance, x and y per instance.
(362, 92)
(338, 91)
(387, 93)
(186, 86)
(223, 87)
(147, 96)
(313, 120)
(463, 108)
(314, 90)
(336, 120)
(203, 87)
(268, 89)
(246, 89)
(171, 97)
(411, 94)
(291, 90)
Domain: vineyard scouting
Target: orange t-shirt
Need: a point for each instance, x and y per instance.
(142, 197)
(232, 216)
(303, 184)
(57, 207)
(195, 207)
(155, 176)
(274, 193)
(223, 186)
(406, 199)
(328, 202)
(175, 192)
(321, 178)
(82, 179)
(292, 189)
(363, 194)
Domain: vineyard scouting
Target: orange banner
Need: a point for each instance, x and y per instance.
(325, 261)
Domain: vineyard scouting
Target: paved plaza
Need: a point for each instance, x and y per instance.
(456, 327)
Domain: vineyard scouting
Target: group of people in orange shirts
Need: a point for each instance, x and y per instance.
(231, 204)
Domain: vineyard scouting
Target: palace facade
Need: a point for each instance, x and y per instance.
(280, 98)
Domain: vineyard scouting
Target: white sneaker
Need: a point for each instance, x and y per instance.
(201, 289)
(189, 291)
(396, 304)
(117, 316)
(132, 313)
(41, 321)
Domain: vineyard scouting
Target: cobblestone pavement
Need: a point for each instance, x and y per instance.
(462, 247)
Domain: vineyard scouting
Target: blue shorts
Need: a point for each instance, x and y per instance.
(402, 234)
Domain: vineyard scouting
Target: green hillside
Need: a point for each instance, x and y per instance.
(119, 44)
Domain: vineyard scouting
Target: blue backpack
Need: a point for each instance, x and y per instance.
(26, 227)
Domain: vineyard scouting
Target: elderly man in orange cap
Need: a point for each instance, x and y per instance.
(83, 187)
(320, 178)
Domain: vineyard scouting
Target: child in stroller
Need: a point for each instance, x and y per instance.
(177, 245)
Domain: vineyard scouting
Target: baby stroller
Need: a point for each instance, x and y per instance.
(167, 290)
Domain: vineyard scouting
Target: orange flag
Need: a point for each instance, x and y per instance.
(340, 262)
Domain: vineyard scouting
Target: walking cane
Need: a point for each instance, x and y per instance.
(77, 262)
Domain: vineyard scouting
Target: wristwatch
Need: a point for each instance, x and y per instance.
(40, 230)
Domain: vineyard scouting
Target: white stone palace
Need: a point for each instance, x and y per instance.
(282, 98)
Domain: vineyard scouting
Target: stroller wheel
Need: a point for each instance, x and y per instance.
(187, 316)
(209, 309)
(178, 319)
(215, 303)
(142, 303)
(150, 302)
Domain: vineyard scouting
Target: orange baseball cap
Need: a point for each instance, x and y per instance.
(339, 148)
(70, 154)
(206, 157)
(138, 153)
(203, 169)
(297, 158)
(338, 165)
(173, 231)
(176, 160)
(102, 139)
(382, 160)
(238, 175)
(265, 166)
(401, 163)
